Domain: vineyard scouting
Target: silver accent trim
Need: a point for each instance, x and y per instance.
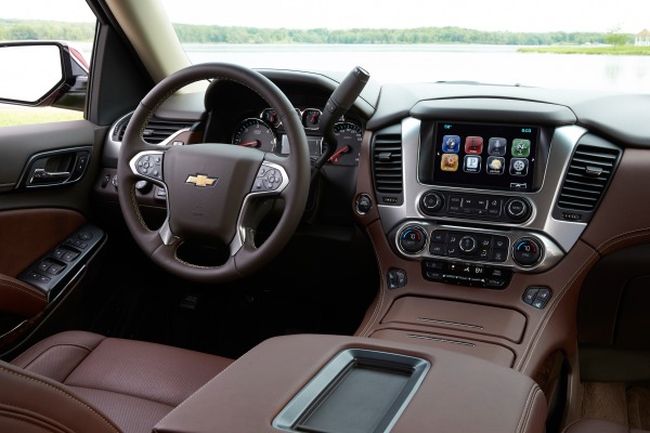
(134, 170)
(564, 233)
(306, 397)
(167, 141)
(242, 231)
(551, 252)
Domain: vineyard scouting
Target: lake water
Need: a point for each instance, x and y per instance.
(411, 63)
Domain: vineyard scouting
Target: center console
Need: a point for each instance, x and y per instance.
(335, 384)
(476, 208)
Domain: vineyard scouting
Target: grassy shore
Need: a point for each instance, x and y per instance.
(15, 115)
(610, 50)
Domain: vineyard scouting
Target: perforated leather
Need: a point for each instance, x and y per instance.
(84, 382)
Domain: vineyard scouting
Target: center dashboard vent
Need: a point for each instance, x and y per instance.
(387, 166)
(157, 129)
(589, 173)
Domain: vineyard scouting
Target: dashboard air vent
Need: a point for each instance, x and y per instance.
(156, 131)
(387, 167)
(590, 170)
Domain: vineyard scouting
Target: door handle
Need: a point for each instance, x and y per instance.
(41, 175)
(56, 167)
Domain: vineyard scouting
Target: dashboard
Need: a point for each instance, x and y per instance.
(494, 179)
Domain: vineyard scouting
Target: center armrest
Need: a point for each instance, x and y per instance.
(456, 393)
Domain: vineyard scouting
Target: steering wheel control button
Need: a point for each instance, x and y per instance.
(465, 274)
(517, 209)
(268, 179)
(396, 278)
(537, 297)
(363, 204)
(431, 202)
(149, 165)
(527, 251)
(412, 239)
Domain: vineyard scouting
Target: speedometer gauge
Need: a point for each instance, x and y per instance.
(255, 133)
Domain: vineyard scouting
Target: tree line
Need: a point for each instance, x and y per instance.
(190, 33)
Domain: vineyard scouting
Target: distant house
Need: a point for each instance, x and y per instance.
(642, 39)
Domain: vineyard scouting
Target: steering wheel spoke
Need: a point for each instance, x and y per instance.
(148, 165)
(271, 179)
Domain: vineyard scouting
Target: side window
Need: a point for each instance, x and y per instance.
(45, 52)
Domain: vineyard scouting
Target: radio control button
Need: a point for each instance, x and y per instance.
(467, 244)
(431, 202)
(517, 209)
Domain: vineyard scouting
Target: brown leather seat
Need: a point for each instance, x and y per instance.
(599, 426)
(84, 382)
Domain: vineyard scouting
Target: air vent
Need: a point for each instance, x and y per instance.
(589, 173)
(387, 167)
(156, 131)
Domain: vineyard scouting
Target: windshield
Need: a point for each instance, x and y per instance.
(557, 43)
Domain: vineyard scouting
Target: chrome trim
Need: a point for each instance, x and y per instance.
(112, 147)
(551, 252)
(541, 222)
(242, 231)
(308, 395)
(137, 156)
(167, 141)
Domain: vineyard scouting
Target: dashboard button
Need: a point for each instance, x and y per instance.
(412, 239)
(432, 202)
(467, 244)
(517, 209)
(438, 249)
(363, 204)
(527, 251)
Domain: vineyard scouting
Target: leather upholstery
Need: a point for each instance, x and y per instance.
(19, 298)
(599, 426)
(83, 382)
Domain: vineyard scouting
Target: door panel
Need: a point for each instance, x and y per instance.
(27, 234)
(20, 144)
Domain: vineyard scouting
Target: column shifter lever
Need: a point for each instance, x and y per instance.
(338, 104)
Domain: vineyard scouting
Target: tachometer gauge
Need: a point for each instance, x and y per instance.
(348, 143)
(270, 116)
(255, 133)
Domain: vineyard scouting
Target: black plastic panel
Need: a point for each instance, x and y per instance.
(56, 268)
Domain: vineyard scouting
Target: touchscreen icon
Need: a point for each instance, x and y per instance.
(474, 145)
(451, 143)
(520, 148)
(497, 146)
(518, 167)
(472, 164)
(449, 162)
(496, 165)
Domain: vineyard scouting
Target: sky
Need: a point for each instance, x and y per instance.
(512, 15)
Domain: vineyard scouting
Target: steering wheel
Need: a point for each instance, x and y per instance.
(210, 186)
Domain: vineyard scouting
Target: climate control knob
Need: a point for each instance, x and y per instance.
(431, 202)
(467, 244)
(517, 209)
(526, 251)
(412, 239)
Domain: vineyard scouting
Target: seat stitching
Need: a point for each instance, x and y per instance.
(25, 415)
(41, 353)
(65, 393)
(152, 400)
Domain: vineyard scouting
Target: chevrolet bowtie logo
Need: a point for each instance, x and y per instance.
(201, 180)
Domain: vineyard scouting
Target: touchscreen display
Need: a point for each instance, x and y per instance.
(485, 156)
